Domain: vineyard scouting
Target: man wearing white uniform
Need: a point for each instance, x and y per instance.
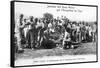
(19, 25)
(28, 26)
(66, 40)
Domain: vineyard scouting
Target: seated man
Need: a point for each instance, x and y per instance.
(67, 41)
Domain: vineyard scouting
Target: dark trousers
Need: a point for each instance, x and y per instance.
(31, 38)
(67, 44)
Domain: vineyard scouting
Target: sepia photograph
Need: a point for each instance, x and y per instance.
(53, 33)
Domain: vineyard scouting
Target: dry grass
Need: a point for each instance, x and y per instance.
(83, 49)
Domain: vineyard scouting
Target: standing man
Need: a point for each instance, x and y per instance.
(77, 32)
(19, 33)
(83, 30)
(94, 32)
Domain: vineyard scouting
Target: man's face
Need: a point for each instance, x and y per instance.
(21, 16)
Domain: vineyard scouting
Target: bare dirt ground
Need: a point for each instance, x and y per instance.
(83, 49)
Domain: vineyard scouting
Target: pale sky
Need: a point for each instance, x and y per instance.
(37, 10)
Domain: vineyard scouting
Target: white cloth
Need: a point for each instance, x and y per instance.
(49, 25)
(26, 29)
(94, 28)
(66, 34)
(90, 31)
(78, 28)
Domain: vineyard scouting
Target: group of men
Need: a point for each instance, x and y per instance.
(35, 32)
